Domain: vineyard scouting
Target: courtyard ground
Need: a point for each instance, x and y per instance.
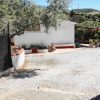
(67, 74)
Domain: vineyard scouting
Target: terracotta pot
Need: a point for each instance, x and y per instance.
(34, 50)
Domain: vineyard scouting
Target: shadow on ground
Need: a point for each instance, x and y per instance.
(24, 73)
(96, 98)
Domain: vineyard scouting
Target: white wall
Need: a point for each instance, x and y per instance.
(63, 35)
(29, 38)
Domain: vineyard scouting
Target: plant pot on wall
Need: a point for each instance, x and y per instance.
(34, 50)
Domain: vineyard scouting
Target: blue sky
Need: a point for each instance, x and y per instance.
(77, 3)
(85, 4)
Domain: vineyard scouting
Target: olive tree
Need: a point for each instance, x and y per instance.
(56, 11)
(3, 12)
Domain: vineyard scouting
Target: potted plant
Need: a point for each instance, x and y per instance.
(34, 48)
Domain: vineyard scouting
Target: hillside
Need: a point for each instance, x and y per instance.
(85, 10)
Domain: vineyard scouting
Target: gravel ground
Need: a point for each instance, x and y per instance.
(62, 76)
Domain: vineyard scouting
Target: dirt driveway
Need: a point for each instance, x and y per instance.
(61, 76)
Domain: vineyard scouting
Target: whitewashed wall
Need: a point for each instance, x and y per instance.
(62, 35)
(29, 38)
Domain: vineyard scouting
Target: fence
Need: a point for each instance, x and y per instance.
(5, 51)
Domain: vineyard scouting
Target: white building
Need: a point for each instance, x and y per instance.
(63, 35)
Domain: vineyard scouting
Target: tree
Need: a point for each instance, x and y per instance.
(3, 12)
(54, 11)
(20, 14)
(25, 16)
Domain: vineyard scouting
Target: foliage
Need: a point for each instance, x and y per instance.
(79, 18)
(3, 12)
(56, 10)
(23, 15)
(87, 25)
(20, 14)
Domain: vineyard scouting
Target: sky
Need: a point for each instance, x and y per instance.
(76, 4)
